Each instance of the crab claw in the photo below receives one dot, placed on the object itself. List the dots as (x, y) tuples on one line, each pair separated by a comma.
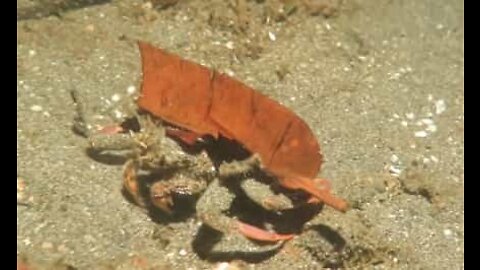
[(130, 182), (255, 233), (161, 197)]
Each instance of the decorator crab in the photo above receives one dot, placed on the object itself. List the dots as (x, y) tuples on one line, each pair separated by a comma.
[(160, 169)]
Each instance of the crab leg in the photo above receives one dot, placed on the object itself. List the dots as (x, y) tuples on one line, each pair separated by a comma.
[(255, 190), (218, 199), (309, 186), (255, 233), (82, 118), (188, 137), (261, 194)]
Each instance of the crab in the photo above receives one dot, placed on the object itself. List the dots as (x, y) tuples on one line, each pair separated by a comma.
[(159, 159)]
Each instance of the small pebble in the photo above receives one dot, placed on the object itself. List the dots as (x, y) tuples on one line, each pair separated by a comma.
[(362, 58), (272, 36), (115, 97), (118, 114), (222, 266), (431, 128), (36, 108), (131, 89), (90, 28), (147, 5), (47, 245), (229, 45), (410, 116), (427, 121), (440, 106), (27, 241), (394, 158), (88, 238), (394, 170), (447, 232), (395, 76), (227, 266), (182, 252), (20, 184), (62, 248), (230, 72), (421, 134), (32, 52)]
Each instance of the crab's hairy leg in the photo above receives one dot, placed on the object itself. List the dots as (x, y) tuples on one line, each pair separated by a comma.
[(153, 126), (211, 207), (239, 168), (82, 119), (111, 142), (309, 186), (186, 136), (258, 192), (213, 202), (116, 110), (263, 195)]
